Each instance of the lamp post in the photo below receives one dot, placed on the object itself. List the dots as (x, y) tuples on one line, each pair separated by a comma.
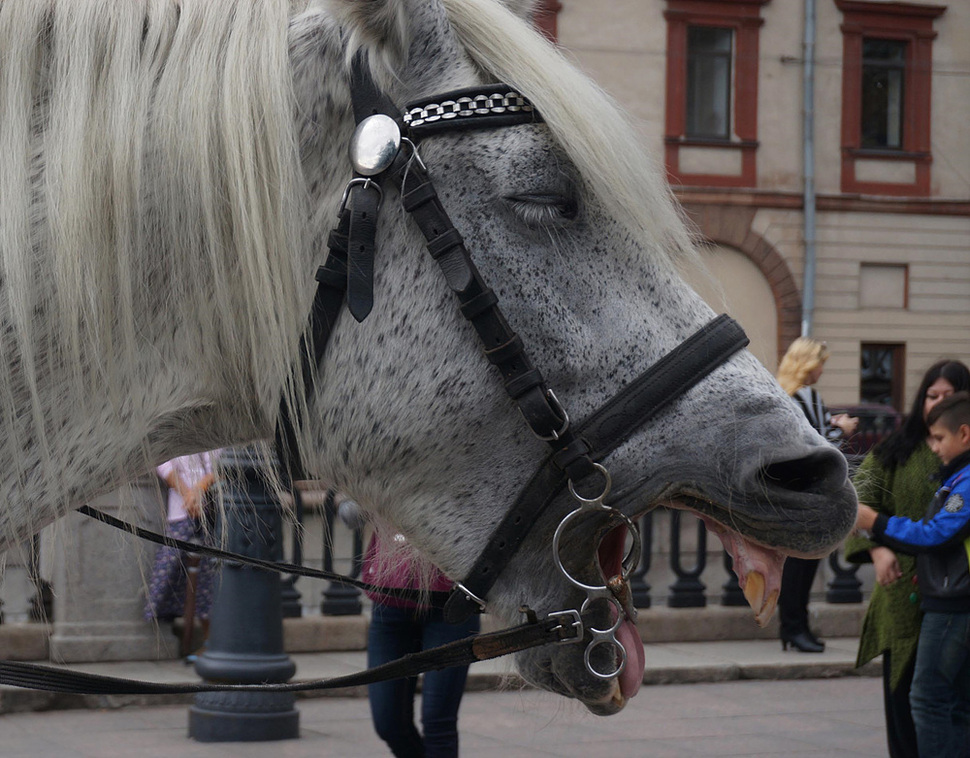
[(245, 644)]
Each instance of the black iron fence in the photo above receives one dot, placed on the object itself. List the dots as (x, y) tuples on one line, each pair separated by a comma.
[(679, 566)]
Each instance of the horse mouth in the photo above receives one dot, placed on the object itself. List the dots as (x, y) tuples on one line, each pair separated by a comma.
[(757, 565), (603, 675), (758, 568), (765, 515)]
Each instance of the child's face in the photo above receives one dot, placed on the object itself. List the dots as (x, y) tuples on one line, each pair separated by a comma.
[(948, 444)]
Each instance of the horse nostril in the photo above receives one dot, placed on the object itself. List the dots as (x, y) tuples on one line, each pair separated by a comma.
[(816, 473)]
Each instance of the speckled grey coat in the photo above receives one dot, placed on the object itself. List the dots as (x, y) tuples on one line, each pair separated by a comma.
[(568, 220)]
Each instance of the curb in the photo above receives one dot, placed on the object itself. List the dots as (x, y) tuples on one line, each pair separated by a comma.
[(657, 624), (689, 646)]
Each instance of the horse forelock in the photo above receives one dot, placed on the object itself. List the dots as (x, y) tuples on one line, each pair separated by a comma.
[(595, 132)]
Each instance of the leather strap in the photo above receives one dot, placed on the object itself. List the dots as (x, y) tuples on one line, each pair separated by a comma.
[(669, 378), (605, 430), (367, 99), (444, 242), (463, 652), (478, 303), (486, 106), (363, 202), (328, 301), (428, 599)]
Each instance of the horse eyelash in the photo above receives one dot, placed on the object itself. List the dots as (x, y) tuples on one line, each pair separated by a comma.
[(544, 210)]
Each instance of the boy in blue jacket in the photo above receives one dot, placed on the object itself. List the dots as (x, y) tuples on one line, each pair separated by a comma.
[(940, 694)]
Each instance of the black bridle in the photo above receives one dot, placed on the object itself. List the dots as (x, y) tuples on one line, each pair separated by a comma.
[(575, 450)]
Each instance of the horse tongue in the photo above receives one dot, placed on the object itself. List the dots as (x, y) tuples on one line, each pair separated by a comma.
[(611, 556), (632, 675)]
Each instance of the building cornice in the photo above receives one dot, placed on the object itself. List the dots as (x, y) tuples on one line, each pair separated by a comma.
[(823, 202)]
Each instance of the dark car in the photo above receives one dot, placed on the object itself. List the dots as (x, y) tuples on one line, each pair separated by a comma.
[(876, 422)]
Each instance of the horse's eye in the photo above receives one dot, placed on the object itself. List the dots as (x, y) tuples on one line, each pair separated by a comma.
[(541, 209)]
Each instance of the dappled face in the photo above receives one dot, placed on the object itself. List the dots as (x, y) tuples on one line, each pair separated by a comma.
[(435, 447), (937, 391)]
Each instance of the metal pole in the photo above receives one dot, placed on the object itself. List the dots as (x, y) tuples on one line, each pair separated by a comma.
[(292, 599), (638, 582), (808, 145), (338, 598), (246, 634), (688, 590)]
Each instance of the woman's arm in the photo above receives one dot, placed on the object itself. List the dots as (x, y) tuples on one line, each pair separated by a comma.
[(873, 487)]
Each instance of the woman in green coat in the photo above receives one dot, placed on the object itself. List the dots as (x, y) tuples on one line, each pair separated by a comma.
[(897, 478)]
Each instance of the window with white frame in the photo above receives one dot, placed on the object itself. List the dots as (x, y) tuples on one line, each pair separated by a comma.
[(709, 50), (883, 82)]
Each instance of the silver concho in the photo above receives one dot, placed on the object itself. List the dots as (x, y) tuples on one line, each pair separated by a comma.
[(375, 144)]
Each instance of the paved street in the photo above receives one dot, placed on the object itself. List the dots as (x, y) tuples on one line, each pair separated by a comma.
[(807, 718)]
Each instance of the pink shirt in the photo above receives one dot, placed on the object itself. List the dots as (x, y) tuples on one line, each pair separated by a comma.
[(401, 574)]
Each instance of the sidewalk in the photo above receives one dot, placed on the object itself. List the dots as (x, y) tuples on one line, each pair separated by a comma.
[(748, 699), (666, 663)]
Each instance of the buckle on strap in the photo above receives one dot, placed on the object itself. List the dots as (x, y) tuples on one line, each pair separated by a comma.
[(570, 626), (469, 595), (558, 410)]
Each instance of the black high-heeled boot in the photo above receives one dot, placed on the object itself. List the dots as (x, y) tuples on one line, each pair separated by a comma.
[(815, 638), (802, 643)]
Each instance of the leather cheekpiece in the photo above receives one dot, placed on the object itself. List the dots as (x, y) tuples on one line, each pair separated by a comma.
[(364, 201)]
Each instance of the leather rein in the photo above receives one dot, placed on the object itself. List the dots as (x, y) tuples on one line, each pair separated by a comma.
[(384, 153)]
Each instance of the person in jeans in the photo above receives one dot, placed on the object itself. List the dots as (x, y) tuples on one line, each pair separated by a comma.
[(940, 694), (399, 627), (898, 478)]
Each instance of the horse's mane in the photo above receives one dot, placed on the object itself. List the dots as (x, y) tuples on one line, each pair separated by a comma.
[(149, 179), (150, 182), (597, 135)]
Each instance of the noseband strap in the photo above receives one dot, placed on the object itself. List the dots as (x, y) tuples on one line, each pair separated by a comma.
[(574, 451), (605, 430)]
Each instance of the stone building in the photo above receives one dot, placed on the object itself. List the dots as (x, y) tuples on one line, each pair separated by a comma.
[(869, 185)]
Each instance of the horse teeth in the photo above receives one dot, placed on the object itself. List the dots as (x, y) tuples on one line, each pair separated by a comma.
[(754, 592), (767, 610), (616, 696)]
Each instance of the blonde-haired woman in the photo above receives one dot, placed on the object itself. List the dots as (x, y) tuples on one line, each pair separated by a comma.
[(801, 368)]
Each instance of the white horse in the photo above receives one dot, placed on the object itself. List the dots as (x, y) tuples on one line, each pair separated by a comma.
[(169, 170)]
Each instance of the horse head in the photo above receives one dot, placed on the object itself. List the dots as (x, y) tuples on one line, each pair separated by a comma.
[(160, 222), (572, 227)]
